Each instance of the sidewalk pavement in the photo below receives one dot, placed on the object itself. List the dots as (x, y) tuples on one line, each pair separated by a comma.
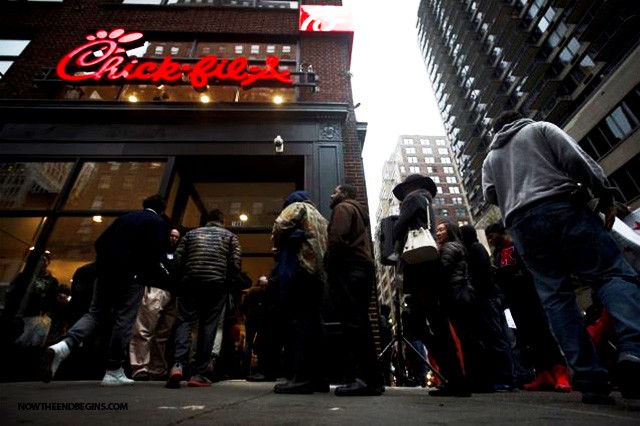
[(243, 403)]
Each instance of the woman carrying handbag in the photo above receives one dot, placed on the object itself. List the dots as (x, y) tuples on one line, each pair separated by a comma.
[(423, 281)]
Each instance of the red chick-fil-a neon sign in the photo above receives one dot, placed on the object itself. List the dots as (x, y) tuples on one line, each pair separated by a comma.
[(81, 64)]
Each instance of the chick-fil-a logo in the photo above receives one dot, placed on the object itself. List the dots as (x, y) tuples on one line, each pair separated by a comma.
[(325, 19), (83, 64)]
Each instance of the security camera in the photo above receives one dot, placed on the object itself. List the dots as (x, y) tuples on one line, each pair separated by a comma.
[(278, 143)]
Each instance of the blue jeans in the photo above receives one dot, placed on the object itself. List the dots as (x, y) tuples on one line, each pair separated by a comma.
[(116, 295), (557, 239)]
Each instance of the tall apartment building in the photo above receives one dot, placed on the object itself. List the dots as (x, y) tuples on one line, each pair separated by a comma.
[(430, 156), (573, 63)]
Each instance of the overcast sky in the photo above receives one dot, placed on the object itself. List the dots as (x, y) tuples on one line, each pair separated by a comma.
[(390, 82)]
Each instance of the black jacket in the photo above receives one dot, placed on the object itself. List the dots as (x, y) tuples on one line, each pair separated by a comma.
[(413, 214), (137, 242)]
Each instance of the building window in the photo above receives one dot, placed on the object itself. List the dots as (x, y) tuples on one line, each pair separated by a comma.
[(10, 50), (427, 151), (445, 160), (238, 49), (454, 190), (440, 191), (98, 185), (570, 51), (408, 141), (621, 122), (414, 169), (436, 179), (448, 170), (440, 142), (616, 126), (451, 179), (410, 150), (443, 151), (444, 212), (424, 142), (255, 49), (31, 185), (412, 160), (429, 160), (456, 200), (403, 169), (626, 179), (429, 169), (461, 212)]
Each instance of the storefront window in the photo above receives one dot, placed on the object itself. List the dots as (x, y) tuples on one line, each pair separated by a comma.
[(115, 185), (71, 244), (31, 186), (17, 235), (255, 205)]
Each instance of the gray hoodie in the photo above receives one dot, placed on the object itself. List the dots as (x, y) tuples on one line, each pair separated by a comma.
[(531, 161)]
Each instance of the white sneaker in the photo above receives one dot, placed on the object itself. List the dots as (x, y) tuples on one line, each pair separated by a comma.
[(51, 360), (116, 378)]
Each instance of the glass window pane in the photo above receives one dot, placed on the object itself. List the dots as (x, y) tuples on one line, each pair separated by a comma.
[(106, 185), (619, 123), (4, 66), (235, 199), (12, 47), (31, 185), (72, 244), (17, 235)]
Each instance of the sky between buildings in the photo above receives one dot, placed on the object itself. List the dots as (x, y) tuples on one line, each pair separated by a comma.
[(390, 82)]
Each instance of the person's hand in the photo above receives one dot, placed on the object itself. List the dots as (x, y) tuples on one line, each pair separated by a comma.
[(609, 217)]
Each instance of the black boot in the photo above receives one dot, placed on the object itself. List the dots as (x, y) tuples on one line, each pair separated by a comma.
[(358, 388), (294, 387)]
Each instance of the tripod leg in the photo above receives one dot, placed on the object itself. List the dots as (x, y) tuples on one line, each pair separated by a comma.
[(427, 363), (386, 348)]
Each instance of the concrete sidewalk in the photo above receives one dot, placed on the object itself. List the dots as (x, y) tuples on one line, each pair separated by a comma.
[(243, 403)]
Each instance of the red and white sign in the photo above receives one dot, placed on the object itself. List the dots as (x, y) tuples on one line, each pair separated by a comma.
[(113, 64), (334, 19)]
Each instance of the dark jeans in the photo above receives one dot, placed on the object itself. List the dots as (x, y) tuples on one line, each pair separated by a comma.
[(557, 239), (116, 292), (250, 331), (200, 303), (351, 286), (533, 335), (302, 301), (496, 361)]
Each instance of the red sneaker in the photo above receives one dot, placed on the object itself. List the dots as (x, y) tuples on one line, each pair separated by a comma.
[(198, 381), (562, 379), (175, 377), (543, 382)]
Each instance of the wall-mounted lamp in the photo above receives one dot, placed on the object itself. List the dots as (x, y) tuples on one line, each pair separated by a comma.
[(278, 143)]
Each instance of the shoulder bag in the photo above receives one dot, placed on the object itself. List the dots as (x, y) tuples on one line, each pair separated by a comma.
[(420, 245)]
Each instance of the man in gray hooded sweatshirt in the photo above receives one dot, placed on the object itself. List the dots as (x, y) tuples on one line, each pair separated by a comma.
[(534, 172)]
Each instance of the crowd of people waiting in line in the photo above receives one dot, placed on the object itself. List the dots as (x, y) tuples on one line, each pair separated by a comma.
[(556, 207)]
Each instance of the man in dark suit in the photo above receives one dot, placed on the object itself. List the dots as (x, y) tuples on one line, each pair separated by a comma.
[(133, 246)]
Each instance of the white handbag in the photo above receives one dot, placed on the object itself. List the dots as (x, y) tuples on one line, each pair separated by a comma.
[(420, 245)]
